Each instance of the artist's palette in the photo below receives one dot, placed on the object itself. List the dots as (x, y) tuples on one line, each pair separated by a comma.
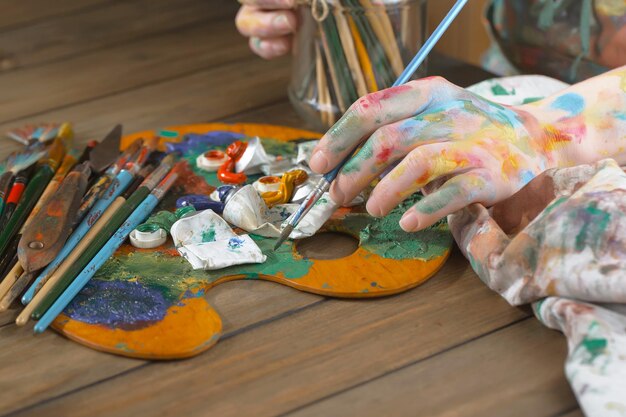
[(151, 304)]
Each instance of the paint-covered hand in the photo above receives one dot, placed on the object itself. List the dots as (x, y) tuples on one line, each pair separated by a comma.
[(460, 148), (269, 24), (475, 150)]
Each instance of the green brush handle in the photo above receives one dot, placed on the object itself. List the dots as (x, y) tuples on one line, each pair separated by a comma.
[(31, 195), (5, 182), (92, 250)]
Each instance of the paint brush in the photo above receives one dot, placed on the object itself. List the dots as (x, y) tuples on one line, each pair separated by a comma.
[(324, 184), (97, 236), (126, 182), (15, 163), (43, 174), (137, 217), (15, 195)]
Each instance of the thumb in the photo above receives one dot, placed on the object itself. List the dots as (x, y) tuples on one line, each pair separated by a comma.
[(480, 239)]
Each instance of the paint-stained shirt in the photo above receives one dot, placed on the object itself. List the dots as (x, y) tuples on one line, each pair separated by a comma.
[(566, 39)]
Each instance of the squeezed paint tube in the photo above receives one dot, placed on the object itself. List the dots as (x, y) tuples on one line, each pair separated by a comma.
[(208, 242), (247, 210)]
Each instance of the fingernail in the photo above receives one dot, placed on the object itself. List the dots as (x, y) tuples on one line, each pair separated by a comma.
[(281, 22), (319, 162), (337, 195), (409, 222)]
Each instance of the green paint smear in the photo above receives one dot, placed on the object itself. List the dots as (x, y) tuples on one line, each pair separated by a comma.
[(384, 237), (529, 100), (594, 228), (173, 275), (271, 146), (498, 90), (595, 347), (208, 235)]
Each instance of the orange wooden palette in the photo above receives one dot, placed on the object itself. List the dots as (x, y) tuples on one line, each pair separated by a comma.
[(150, 304)]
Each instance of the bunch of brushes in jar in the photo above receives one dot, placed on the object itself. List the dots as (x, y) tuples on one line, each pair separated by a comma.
[(349, 48)]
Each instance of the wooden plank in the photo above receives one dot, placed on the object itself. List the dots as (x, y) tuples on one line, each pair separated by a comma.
[(305, 356), (92, 29), (77, 80), (574, 413), (45, 366), (203, 96), (17, 13), (516, 371)]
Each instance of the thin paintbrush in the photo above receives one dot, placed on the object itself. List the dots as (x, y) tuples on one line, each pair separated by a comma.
[(324, 184), (15, 195), (139, 215), (15, 163)]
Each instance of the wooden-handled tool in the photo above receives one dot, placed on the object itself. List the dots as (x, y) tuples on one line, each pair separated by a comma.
[(51, 226)]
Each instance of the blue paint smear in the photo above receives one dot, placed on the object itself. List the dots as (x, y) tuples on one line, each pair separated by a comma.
[(572, 103), (118, 304), (526, 176)]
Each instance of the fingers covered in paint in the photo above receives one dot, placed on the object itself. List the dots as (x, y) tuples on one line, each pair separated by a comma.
[(373, 111), (252, 21), (456, 193)]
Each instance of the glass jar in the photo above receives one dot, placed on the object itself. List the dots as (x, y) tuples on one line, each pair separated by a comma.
[(345, 49)]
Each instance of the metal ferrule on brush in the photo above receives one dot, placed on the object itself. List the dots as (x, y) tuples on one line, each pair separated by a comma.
[(159, 173), (320, 188)]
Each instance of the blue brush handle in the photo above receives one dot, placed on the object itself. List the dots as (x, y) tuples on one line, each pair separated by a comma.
[(119, 184), (330, 176), (135, 219), (430, 43)]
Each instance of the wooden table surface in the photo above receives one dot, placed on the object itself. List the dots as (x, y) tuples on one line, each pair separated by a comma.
[(450, 347)]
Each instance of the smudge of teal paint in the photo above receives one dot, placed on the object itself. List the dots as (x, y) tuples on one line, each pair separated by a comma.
[(572, 103), (445, 195), (529, 100), (356, 162), (554, 205), (619, 115), (208, 235), (594, 347), (595, 223), (498, 90), (124, 347), (385, 238), (325, 285)]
